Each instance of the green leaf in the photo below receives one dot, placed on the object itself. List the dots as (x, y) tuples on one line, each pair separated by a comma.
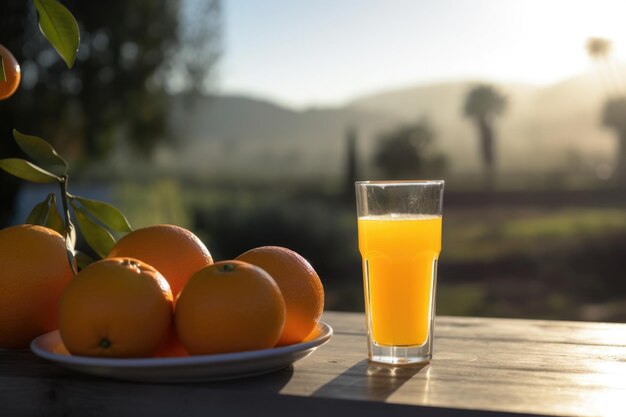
[(41, 151), (82, 259), (55, 221), (60, 29), (27, 170), (106, 214), (39, 213), (3, 76), (98, 238)]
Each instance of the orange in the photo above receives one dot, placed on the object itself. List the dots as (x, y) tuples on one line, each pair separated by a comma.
[(11, 72), (34, 270), (230, 306), (116, 307), (300, 285), (175, 252)]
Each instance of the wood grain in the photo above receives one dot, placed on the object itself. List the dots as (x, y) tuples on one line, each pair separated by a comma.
[(482, 366)]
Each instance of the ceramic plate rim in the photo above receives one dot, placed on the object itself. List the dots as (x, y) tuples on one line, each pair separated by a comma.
[(326, 333)]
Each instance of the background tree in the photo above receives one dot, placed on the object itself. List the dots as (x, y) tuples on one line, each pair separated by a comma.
[(201, 37), (599, 50), (404, 153), (483, 104), (13, 13), (351, 163), (614, 117), (129, 59), (614, 110)]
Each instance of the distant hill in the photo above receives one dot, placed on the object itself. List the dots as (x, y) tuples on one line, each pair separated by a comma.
[(230, 135), (545, 129)]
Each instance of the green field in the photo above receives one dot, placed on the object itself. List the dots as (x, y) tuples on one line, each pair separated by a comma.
[(560, 263)]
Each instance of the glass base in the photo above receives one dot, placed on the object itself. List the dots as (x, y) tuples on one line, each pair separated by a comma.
[(400, 355)]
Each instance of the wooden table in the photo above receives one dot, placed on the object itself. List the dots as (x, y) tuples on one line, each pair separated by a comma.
[(482, 366)]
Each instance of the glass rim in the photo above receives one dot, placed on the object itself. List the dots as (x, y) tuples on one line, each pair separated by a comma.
[(400, 182)]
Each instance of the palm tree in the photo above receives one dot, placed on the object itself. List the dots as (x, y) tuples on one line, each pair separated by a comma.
[(482, 104), (614, 117), (599, 50), (614, 112)]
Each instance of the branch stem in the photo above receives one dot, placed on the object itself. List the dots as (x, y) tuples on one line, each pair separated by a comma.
[(69, 227)]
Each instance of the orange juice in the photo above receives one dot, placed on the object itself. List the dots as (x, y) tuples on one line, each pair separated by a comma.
[(400, 253)]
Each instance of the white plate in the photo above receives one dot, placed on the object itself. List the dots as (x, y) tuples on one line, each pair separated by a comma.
[(182, 369)]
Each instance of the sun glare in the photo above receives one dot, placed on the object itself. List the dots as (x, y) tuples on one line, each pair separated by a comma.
[(603, 401), (549, 40), (394, 44), (604, 379)]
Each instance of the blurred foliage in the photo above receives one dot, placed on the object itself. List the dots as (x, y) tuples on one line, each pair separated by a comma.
[(160, 202), (200, 41), (538, 263), (461, 299), (131, 55), (498, 233), (406, 153)]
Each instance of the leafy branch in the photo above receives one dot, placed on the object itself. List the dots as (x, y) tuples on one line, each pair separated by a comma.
[(96, 219)]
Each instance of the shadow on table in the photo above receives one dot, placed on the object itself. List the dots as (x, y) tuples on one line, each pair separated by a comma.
[(365, 380), (273, 382)]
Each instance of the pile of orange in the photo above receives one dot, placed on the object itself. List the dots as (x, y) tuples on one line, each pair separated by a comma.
[(158, 293)]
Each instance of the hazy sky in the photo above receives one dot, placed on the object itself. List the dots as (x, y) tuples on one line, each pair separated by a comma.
[(326, 52)]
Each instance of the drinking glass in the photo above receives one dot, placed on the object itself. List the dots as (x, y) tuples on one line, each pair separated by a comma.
[(399, 227)]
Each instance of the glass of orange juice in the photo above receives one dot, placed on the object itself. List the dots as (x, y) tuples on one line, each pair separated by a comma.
[(399, 225)]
